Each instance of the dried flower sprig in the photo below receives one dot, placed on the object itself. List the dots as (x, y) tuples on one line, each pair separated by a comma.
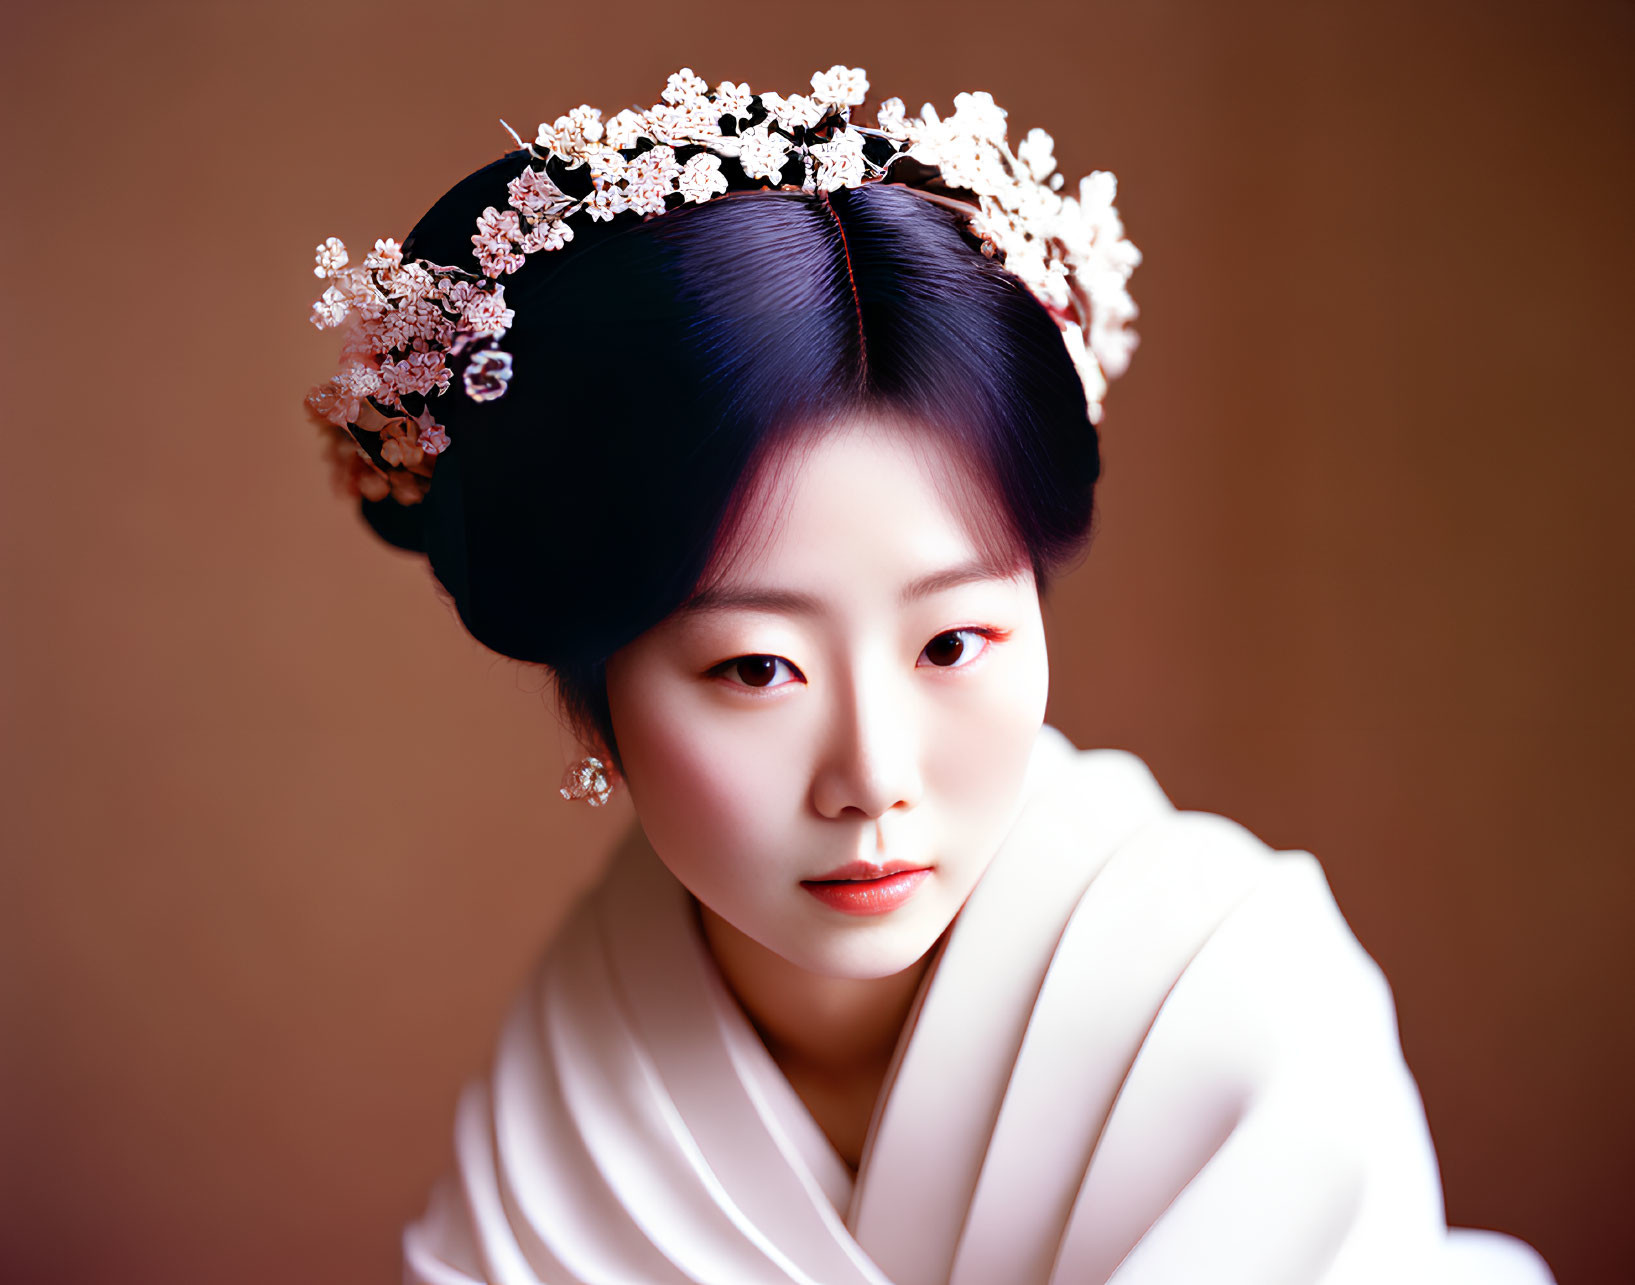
[(408, 325)]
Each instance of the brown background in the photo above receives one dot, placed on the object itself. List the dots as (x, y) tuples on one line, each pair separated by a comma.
[(280, 839)]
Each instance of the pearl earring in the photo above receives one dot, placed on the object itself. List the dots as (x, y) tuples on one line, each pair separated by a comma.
[(587, 779)]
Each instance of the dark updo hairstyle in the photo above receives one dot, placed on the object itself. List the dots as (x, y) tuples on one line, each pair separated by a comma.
[(659, 362)]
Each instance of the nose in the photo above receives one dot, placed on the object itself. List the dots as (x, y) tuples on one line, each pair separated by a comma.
[(870, 762)]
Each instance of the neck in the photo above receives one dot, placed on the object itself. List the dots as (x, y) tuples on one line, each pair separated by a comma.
[(842, 1028)]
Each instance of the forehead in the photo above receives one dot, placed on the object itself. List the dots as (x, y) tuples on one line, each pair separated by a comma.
[(866, 499)]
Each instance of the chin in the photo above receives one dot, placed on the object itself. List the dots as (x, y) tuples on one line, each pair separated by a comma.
[(868, 950)]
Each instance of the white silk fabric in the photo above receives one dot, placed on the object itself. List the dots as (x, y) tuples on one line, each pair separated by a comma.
[(1150, 1051)]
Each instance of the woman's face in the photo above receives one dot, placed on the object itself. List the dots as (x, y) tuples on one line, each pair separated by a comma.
[(858, 684)]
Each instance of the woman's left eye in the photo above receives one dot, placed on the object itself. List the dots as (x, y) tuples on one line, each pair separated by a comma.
[(955, 648)]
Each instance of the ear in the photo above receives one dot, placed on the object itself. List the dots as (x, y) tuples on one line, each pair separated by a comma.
[(579, 735), (592, 744)]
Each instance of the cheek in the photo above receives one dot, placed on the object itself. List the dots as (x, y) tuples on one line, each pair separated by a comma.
[(709, 790), (985, 737)]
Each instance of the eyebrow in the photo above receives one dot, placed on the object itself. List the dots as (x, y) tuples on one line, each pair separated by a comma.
[(794, 603)]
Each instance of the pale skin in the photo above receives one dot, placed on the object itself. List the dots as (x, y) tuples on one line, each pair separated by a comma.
[(860, 678)]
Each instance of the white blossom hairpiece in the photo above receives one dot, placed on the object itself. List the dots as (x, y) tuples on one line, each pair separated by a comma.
[(404, 321)]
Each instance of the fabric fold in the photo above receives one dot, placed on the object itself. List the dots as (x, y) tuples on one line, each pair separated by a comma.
[(920, 1170), (1130, 935)]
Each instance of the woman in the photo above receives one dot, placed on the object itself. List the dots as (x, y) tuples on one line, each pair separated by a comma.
[(775, 428)]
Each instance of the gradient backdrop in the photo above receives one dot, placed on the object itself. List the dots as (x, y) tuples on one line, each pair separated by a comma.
[(280, 840)]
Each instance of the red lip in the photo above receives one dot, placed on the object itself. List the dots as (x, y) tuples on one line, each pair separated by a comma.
[(865, 870), (869, 896)]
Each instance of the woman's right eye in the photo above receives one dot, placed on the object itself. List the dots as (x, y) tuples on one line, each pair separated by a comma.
[(758, 671)]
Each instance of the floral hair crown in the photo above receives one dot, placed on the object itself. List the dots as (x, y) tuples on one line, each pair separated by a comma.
[(409, 324)]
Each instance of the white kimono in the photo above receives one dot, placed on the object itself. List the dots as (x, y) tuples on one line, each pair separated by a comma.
[(1150, 1051)]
